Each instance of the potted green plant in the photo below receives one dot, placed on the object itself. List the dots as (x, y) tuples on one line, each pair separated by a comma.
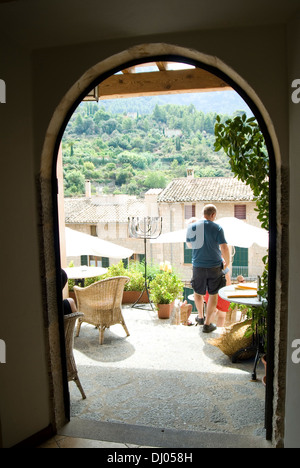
[(164, 289), (134, 287)]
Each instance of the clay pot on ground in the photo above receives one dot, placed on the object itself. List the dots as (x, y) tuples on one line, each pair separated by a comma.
[(130, 297), (164, 311)]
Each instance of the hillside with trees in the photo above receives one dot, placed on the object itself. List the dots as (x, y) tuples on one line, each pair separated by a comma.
[(132, 149)]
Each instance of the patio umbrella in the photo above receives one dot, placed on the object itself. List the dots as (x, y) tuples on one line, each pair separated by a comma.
[(170, 237), (241, 234), (78, 243), (237, 233)]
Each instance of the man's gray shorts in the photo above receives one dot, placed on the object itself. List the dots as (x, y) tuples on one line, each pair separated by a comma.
[(209, 280)]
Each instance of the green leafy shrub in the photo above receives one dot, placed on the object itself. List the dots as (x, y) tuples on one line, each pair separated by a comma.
[(136, 282), (165, 288), (152, 269)]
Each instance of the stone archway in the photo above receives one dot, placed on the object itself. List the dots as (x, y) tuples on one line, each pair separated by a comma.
[(48, 201)]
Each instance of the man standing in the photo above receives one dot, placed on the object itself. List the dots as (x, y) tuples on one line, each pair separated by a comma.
[(210, 256)]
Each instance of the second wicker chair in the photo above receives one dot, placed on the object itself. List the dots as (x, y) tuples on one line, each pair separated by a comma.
[(69, 323)]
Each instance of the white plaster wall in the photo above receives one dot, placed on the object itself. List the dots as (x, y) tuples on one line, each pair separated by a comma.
[(24, 386)]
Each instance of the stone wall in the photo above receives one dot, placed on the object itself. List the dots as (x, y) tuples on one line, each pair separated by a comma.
[(173, 220)]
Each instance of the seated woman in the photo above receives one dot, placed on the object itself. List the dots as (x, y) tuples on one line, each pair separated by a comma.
[(69, 305)]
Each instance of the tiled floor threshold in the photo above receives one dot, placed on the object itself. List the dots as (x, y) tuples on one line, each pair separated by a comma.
[(142, 436)]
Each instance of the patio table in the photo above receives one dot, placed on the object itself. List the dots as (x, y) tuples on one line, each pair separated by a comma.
[(79, 274), (251, 302)]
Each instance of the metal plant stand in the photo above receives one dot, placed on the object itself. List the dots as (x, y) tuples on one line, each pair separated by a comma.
[(144, 228)]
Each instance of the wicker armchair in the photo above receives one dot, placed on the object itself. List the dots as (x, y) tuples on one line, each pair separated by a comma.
[(101, 304), (69, 321)]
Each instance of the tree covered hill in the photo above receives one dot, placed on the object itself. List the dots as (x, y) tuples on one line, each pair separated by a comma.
[(131, 145)]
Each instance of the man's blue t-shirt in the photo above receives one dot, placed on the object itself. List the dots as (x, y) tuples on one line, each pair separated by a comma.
[(205, 237)]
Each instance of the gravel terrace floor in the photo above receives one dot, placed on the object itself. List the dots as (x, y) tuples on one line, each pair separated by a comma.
[(165, 375)]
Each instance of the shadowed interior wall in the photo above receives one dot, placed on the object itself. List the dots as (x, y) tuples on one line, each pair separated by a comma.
[(24, 384), (292, 419)]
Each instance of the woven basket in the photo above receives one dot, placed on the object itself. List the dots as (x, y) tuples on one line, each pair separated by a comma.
[(233, 339), (185, 312)]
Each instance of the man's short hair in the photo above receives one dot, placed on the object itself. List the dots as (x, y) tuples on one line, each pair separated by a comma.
[(209, 210)]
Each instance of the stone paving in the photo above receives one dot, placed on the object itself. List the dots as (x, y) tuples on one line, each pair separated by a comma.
[(167, 376)]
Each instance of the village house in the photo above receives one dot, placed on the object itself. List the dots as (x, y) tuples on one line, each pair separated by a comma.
[(185, 197), (107, 217)]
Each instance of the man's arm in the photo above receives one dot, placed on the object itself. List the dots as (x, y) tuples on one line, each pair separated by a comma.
[(225, 253)]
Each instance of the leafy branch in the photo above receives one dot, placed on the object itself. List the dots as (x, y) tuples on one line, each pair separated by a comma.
[(242, 141)]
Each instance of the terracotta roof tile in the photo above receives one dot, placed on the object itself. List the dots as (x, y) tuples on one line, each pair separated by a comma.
[(206, 189), (87, 210)]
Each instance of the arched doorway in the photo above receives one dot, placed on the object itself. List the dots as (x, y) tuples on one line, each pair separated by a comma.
[(142, 54)]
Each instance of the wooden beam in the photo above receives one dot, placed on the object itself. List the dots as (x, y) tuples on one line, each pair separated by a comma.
[(162, 66), (162, 82), (128, 70)]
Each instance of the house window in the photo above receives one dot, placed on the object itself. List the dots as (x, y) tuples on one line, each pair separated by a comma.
[(105, 262), (187, 254), (189, 211), (84, 260), (95, 261), (240, 211), (94, 231), (240, 262), (134, 258)]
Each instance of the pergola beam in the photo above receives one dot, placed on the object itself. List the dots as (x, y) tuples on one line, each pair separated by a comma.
[(160, 82)]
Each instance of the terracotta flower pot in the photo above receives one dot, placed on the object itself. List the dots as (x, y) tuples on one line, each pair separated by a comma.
[(164, 310), (130, 297)]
